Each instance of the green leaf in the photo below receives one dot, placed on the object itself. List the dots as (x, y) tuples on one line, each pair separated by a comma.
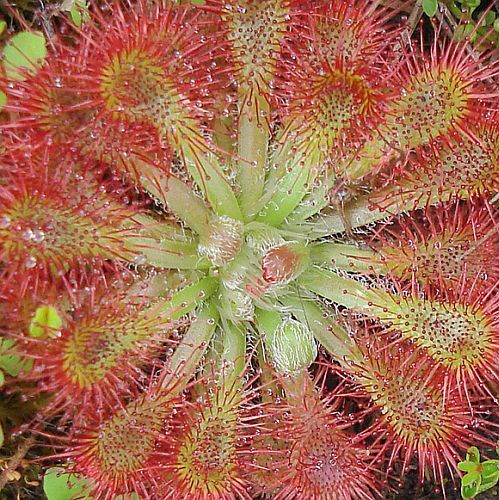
[(490, 468), (25, 52), (3, 26), (473, 455), (486, 485), (496, 24), (471, 4), (46, 320), (79, 12), (471, 477), (2, 379), (470, 491), (3, 100), (59, 485), (489, 18), (467, 466), (187, 298), (465, 30), (11, 362), (430, 7)]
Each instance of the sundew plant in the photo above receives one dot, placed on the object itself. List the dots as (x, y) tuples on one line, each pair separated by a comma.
[(248, 250)]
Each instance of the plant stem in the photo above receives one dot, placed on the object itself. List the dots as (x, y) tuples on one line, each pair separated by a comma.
[(15, 461), (253, 142), (162, 228), (298, 387), (233, 355), (208, 175), (188, 354), (168, 254), (185, 300), (177, 196), (343, 291), (359, 212), (268, 321), (267, 377), (347, 257), (291, 190), (313, 202)]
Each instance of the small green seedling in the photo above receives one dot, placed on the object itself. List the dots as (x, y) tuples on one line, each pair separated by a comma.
[(10, 361), (24, 53), (480, 476), (430, 7), (46, 321), (58, 484)]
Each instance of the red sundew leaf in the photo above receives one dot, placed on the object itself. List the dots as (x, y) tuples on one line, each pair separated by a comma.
[(110, 336), (421, 417), (115, 451), (256, 30), (326, 458), (50, 108), (460, 167), (151, 67), (356, 35), (439, 94), (334, 87), (435, 96), (459, 332), (54, 219), (441, 247), (209, 449)]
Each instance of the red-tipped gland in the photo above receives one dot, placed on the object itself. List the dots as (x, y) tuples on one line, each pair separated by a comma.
[(284, 263)]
